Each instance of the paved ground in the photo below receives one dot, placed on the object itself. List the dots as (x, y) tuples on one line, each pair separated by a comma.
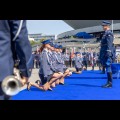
[(35, 75)]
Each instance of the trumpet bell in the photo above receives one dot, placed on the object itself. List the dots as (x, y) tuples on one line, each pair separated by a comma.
[(11, 86)]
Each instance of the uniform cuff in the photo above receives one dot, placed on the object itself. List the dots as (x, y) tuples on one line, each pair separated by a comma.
[(108, 50)]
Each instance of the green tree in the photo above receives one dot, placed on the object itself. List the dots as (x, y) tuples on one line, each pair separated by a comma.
[(37, 42), (41, 40), (32, 43)]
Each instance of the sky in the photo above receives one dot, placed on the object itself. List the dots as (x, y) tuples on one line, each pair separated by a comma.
[(47, 27)]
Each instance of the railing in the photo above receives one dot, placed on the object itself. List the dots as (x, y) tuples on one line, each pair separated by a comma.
[(73, 39)]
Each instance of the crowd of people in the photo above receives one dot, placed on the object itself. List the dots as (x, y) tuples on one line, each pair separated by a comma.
[(59, 59), (52, 69), (84, 59), (89, 58), (51, 61)]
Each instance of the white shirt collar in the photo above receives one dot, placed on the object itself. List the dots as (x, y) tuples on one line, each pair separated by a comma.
[(46, 49)]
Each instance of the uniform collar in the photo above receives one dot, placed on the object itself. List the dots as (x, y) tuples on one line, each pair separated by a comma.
[(45, 49)]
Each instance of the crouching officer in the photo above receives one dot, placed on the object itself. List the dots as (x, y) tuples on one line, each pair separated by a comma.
[(106, 54), (78, 62), (13, 43)]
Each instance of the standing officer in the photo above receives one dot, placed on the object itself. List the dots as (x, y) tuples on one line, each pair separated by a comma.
[(101, 60), (94, 59), (13, 43), (85, 59), (106, 51), (98, 61)]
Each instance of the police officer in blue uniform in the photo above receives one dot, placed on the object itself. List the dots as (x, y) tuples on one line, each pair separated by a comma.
[(37, 59), (106, 51), (78, 62), (85, 59), (62, 65), (63, 58), (47, 70), (98, 61), (13, 43), (94, 60)]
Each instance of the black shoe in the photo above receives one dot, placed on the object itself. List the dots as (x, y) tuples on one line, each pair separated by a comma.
[(108, 85), (28, 86), (61, 83), (50, 89), (38, 82)]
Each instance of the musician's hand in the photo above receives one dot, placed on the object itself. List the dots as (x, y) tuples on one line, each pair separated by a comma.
[(24, 80)]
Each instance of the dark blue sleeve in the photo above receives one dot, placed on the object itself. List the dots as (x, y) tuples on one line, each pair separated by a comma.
[(109, 41), (23, 48)]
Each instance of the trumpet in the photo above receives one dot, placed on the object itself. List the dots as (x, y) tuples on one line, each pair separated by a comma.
[(11, 85)]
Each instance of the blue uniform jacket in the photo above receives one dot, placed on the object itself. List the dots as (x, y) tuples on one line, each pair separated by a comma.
[(107, 43), (63, 58), (13, 42), (114, 53), (46, 64), (84, 56), (58, 63), (51, 61), (55, 61), (106, 46), (78, 62)]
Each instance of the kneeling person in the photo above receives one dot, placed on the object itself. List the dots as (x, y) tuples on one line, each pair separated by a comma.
[(48, 71), (78, 62)]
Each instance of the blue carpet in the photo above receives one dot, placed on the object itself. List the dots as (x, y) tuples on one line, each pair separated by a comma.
[(90, 75), (76, 89)]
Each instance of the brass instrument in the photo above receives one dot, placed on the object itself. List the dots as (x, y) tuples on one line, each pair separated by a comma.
[(11, 85)]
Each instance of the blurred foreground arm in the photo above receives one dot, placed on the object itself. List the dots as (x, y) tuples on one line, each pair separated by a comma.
[(19, 37)]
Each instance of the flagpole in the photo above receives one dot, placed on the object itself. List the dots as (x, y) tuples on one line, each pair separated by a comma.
[(112, 26)]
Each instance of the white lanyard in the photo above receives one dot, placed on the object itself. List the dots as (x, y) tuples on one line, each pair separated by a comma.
[(19, 29)]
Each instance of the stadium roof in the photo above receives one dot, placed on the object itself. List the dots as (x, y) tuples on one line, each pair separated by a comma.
[(78, 24)]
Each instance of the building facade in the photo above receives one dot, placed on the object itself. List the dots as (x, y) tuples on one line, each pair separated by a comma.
[(92, 27), (41, 36)]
